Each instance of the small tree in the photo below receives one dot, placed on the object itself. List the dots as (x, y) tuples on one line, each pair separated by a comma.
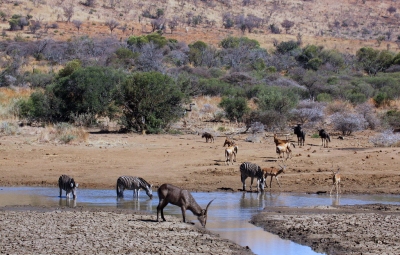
[(173, 23), (391, 10), (68, 12), (77, 24), (287, 25), (34, 26), (112, 24)]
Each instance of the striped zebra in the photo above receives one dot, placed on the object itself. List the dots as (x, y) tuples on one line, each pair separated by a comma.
[(68, 184), (252, 170), (133, 183)]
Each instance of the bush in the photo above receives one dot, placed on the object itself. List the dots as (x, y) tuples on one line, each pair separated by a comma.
[(347, 123), (235, 108), (392, 117), (386, 139), (151, 101), (88, 90)]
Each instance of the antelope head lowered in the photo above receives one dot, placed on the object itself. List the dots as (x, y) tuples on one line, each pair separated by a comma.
[(168, 193)]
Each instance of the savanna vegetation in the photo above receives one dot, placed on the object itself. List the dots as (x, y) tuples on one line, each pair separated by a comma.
[(144, 82)]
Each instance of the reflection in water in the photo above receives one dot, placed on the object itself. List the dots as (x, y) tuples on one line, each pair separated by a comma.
[(67, 202), (228, 215), (335, 200), (135, 204)]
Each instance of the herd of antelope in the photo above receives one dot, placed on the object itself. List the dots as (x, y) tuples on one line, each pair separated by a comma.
[(282, 146)]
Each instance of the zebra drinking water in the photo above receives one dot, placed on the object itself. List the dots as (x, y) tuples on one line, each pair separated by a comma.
[(68, 184), (252, 170), (133, 183)]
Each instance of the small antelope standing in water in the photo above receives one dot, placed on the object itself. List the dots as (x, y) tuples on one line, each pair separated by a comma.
[(168, 193), (336, 181)]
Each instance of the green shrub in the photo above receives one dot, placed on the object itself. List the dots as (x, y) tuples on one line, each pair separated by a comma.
[(235, 108)]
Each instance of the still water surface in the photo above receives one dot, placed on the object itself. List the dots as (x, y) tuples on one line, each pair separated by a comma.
[(228, 215)]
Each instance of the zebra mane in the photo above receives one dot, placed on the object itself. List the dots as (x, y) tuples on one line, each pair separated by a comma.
[(144, 182)]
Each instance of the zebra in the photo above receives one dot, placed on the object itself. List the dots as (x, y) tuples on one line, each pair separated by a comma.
[(133, 183), (252, 170), (68, 184)]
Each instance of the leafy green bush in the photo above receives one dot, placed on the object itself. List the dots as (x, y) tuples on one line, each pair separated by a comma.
[(235, 108), (151, 101), (88, 90)]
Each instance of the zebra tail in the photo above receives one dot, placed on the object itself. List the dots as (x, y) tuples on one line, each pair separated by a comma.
[(118, 192)]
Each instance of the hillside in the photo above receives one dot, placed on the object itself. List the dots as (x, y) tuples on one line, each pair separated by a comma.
[(343, 25)]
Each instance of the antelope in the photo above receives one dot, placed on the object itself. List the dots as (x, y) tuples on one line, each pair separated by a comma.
[(208, 136), (230, 154), (169, 193), (283, 146), (336, 181), (273, 172), (301, 135), (325, 137), (229, 142)]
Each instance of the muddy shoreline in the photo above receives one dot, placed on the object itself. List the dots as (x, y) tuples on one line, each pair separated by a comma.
[(52, 230), (356, 229)]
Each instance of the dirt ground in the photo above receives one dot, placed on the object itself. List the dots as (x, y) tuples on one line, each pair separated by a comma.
[(27, 230), (189, 162), (359, 229)]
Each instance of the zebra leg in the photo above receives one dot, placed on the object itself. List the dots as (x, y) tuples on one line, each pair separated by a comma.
[(243, 178), (60, 192), (251, 183)]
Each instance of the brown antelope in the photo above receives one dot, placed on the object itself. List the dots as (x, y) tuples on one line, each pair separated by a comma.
[(168, 193), (208, 136), (230, 154), (273, 172), (229, 142), (336, 181), (283, 146)]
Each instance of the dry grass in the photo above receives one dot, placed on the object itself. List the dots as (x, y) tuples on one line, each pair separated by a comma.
[(63, 133), (313, 19)]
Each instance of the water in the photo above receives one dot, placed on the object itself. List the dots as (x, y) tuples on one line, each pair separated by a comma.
[(228, 215)]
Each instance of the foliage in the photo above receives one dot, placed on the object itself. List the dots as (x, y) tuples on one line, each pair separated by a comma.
[(88, 90), (277, 99), (374, 61), (235, 42), (386, 139), (285, 47), (140, 41), (235, 108), (347, 123), (151, 101), (70, 67), (392, 117)]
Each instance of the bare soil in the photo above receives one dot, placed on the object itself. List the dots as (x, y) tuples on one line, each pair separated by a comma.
[(189, 162)]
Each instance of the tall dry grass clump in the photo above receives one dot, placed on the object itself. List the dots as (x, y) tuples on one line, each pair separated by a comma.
[(9, 98), (63, 133)]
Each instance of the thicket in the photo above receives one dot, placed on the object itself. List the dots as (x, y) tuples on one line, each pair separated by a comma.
[(119, 79)]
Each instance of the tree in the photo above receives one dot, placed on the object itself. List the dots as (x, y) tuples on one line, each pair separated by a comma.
[(112, 24), (173, 23), (391, 10), (374, 61), (151, 101), (34, 26), (77, 24), (68, 12), (287, 25)]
